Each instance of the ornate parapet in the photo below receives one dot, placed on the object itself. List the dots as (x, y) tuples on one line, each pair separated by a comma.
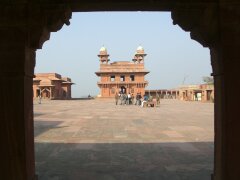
[(34, 21)]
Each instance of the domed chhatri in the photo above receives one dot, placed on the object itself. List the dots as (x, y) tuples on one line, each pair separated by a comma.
[(103, 55), (139, 55)]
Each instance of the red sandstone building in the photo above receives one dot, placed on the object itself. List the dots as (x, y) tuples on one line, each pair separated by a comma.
[(52, 86), (202, 92), (164, 93), (124, 76)]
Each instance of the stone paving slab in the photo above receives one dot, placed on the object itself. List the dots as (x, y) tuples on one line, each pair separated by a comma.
[(97, 140)]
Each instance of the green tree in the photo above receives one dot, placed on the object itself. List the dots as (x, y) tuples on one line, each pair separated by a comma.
[(208, 80)]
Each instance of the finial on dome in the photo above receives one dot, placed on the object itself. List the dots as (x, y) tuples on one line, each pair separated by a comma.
[(103, 48), (140, 50), (140, 47), (139, 55)]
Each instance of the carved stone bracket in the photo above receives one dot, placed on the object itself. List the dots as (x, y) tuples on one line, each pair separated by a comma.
[(46, 19), (203, 23), (34, 21), (200, 20)]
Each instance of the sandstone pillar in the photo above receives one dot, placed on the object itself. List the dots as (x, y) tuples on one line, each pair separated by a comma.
[(217, 26), (219, 106), (227, 124), (16, 112)]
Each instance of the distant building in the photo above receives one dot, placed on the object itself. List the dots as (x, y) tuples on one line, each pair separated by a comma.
[(202, 92), (164, 93), (51, 86), (122, 76)]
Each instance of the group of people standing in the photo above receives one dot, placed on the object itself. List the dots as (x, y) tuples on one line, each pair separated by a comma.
[(127, 99)]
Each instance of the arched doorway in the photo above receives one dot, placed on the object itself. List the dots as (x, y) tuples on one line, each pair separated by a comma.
[(45, 93), (213, 23), (123, 90), (165, 92)]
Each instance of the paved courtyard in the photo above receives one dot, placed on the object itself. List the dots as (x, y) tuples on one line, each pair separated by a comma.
[(97, 140)]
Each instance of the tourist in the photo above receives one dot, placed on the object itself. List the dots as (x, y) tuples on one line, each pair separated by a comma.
[(125, 99), (137, 98), (121, 98), (145, 99), (132, 100), (39, 99), (129, 98), (150, 98), (158, 99), (116, 98)]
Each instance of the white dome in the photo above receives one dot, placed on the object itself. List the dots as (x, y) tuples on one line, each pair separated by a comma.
[(140, 48), (103, 48)]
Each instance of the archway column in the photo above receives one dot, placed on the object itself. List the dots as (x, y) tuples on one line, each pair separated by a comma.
[(208, 25), (16, 112), (219, 113), (227, 124), (23, 29)]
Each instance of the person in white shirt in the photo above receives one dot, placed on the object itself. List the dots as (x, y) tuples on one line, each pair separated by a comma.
[(129, 98)]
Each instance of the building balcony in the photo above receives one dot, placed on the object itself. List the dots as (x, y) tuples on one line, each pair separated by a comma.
[(122, 82)]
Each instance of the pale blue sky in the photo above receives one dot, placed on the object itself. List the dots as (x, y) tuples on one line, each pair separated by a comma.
[(73, 50)]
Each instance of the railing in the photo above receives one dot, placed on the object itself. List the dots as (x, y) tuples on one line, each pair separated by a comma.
[(123, 82)]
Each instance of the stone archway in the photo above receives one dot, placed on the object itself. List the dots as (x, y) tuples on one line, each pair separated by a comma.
[(123, 90), (25, 25)]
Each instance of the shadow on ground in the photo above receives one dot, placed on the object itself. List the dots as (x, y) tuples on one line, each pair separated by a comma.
[(43, 126), (88, 159), (124, 161)]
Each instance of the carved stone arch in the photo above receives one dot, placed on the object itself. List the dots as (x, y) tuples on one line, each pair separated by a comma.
[(201, 20), (202, 23), (26, 24), (44, 19)]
